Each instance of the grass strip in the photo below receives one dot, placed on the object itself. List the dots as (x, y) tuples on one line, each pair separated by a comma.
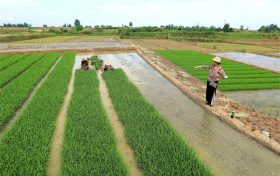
[(5, 63), (241, 76), (18, 68), (24, 149), (159, 149), (89, 144), (14, 94)]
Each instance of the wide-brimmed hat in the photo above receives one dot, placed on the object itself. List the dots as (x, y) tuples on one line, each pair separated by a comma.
[(108, 63), (217, 59)]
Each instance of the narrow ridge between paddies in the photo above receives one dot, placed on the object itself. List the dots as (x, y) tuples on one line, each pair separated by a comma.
[(18, 68), (89, 144), (4, 64), (25, 148), (240, 76), (158, 148), (14, 94)]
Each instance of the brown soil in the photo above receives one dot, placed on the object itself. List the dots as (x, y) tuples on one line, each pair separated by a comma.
[(54, 165), (125, 149), (17, 114), (158, 44), (247, 120)]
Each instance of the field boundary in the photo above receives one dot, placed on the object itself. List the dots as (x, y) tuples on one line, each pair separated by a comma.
[(54, 163), (19, 111), (124, 148), (237, 124)]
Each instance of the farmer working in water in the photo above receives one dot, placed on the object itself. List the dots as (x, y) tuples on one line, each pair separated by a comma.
[(216, 73)]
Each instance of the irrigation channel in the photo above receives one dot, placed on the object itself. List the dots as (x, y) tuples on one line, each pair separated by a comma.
[(224, 149)]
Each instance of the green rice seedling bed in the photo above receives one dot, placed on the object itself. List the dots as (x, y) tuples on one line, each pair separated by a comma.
[(240, 76), (11, 60), (25, 148), (159, 149), (18, 68), (14, 94), (89, 144)]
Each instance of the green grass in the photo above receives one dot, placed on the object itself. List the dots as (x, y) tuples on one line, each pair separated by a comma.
[(159, 149), (14, 94), (241, 76), (90, 147), (18, 68), (5, 63), (25, 148), (96, 62)]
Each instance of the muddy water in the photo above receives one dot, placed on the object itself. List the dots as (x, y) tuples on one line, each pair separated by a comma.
[(271, 63), (12, 47), (225, 150), (265, 101)]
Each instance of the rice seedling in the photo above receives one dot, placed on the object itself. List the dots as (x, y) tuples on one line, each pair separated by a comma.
[(14, 94), (89, 147), (12, 60), (18, 68), (241, 76), (25, 147), (159, 149)]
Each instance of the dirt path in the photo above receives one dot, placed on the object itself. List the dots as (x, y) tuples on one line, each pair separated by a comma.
[(17, 114), (124, 148), (54, 165)]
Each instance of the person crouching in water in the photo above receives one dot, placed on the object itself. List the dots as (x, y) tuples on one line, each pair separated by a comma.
[(216, 73)]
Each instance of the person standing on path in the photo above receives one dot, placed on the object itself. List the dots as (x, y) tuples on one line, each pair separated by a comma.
[(216, 73)]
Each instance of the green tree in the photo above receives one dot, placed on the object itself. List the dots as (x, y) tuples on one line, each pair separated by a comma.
[(77, 23), (130, 24)]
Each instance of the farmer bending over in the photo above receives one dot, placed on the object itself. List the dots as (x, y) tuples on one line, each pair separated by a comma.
[(107, 66), (216, 73)]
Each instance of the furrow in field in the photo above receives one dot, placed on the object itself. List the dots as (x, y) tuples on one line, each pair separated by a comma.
[(15, 93), (159, 149), (4, 64), (89, 144), (125, 149), (18, 68), (25, 148)]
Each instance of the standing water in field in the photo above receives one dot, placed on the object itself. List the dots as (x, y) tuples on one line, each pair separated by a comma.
[(224, 149), (266, 62), (264, 101)]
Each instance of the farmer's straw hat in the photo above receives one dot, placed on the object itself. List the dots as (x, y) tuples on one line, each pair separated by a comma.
[(108, 63), (217, 59)]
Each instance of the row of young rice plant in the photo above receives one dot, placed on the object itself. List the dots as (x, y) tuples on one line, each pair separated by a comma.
[(18, 68), (241, 76), (11, 60), (13, 94), (159, 149), (89, 144), (25, 148), (4, 56)]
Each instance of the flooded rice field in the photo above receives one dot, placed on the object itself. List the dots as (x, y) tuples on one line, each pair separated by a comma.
[(16, 47), (266, 62), (225, 150), (264, 101)]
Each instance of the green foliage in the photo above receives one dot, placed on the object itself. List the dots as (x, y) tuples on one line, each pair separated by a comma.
[(18, 68), (270, 28), (4, 64), (25, 148), (14, 94), (96, 62), (241, 76), (77, 23), (90, 147), (227, 28), (159, 149)]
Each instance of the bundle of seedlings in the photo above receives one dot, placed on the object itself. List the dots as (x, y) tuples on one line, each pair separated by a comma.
[(96, 62)]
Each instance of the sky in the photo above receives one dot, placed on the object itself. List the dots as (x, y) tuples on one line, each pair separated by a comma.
[(250, 13)]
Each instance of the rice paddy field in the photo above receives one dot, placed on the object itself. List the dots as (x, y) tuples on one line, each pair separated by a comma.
[(32, 94), (240, 76)]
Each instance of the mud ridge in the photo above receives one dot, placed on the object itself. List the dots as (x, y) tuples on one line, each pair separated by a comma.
[(123, 146), (54, 164), (247, 119)]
